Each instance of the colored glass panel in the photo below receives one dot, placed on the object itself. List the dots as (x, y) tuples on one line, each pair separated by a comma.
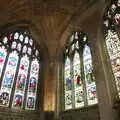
[(3, 54), (89, 77), (78, 84), (8, 79), (32, 86), (79, 81), (21, 82), (68, 85)]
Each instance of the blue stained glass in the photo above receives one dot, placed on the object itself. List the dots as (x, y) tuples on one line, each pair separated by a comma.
[(68, 83)]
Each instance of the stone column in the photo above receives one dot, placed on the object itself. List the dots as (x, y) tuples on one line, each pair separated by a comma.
[(51, 87), (103, 73)]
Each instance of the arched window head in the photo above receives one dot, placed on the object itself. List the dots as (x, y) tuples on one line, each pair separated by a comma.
[(19, 70), (79, 81), (112, 38)]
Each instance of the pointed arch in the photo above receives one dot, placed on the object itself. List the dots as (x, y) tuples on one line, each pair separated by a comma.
[(19, 69), (78, 50)]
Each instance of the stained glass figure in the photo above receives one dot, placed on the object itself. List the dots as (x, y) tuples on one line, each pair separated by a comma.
[(30, 103), (111, 21), (18, 101)]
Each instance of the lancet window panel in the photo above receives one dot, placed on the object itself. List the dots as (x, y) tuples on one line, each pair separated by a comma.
[(19, 70), (79, 80)]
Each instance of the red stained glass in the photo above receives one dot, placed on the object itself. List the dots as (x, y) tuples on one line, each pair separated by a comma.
[(22, 67)]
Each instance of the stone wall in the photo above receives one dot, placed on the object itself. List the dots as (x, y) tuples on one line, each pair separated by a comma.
[(9, 114), (90, 113)]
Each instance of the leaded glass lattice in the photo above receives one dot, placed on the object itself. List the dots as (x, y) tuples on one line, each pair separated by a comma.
[(79, 81), (19, 70)]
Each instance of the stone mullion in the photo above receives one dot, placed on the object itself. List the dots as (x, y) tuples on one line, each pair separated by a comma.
[(83, 79), (63, 89), (73, 87)]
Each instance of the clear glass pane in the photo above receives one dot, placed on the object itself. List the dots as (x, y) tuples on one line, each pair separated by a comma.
[(5, 40), (21, 37), (26, 40), (29, 51), (31, 42), (14, 44), (19, 46), (76, 35), (72, 38), (16, 35), (25, 49)]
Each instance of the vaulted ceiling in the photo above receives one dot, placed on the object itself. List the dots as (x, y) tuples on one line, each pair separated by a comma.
[(51, 17)]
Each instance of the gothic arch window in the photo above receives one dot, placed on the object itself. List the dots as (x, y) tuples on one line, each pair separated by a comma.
[(19, 70), (79, 81), (112, 38)]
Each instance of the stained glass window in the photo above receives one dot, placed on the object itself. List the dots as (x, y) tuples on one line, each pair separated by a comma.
[(19, 70), (112, 38), (79, 80)]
